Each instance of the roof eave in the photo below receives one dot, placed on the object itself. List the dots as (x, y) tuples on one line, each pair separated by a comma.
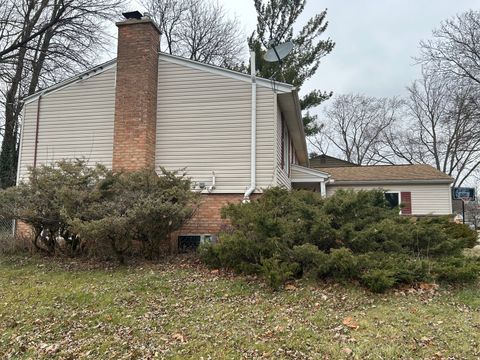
[(86, 74), (334, 182), (290, 106)]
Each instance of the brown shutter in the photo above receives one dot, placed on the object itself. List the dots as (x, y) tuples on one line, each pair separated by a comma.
[(406, 198)]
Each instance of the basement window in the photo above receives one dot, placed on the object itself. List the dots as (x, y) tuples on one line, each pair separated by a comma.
[(187, 243)]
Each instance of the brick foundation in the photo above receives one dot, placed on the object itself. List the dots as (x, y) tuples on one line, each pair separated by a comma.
[(207, 219), (23, 234)]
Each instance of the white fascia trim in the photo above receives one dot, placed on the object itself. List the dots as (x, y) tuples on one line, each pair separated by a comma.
[(282, 87), (309, 171), (379, 183), (73, 80), (307, 180)]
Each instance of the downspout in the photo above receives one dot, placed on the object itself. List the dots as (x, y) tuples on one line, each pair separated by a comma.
[(20, 145), (253, 131), (36, 133)]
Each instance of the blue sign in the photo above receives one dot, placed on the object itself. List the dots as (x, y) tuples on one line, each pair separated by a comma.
[(464, 193)]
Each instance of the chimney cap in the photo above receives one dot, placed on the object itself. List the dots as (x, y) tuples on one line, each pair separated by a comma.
[(132, 15)]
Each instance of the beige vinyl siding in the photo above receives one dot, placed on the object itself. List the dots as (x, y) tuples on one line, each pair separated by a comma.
[(75, 121), (203, 125), (282, 178), (297, 174), (434, 199)]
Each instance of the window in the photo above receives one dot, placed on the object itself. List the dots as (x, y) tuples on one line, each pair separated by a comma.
[(393, 198), (188, 243), (403, 199)]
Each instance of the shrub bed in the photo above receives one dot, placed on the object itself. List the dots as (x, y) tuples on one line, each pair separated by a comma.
[(350, 236), (75, 209)]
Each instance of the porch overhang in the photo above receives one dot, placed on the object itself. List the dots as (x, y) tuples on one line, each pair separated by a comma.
[(302, 174), (307, 178)]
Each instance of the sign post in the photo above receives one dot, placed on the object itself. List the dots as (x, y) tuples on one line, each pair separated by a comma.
[(465, 194)]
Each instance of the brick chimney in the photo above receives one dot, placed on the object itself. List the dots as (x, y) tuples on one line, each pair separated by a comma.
[(136, 93)]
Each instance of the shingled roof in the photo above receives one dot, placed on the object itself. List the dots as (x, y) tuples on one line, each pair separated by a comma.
[(387, 174)]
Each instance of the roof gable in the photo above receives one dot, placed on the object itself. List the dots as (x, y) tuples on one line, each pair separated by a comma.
[(279, 87), (267, 83)]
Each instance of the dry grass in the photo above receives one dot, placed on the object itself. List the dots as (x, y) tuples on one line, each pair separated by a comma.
[(180, 310)]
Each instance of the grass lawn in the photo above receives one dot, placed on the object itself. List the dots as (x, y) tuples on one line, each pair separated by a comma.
[(180, 310)]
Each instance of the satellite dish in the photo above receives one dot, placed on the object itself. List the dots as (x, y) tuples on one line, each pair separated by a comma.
[(278, 52)]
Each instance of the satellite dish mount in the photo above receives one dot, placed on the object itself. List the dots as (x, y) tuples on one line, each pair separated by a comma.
[(278, 52)]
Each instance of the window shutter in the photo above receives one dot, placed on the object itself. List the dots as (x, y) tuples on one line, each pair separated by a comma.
[(406, 198)]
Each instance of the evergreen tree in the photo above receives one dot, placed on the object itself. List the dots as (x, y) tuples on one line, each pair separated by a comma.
[(275, 22)]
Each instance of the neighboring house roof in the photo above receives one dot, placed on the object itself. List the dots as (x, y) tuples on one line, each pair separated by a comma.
[(386, 174), (323, 161)]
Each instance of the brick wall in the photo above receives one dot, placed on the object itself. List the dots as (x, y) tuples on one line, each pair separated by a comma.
[(207, 219), (136, 95)]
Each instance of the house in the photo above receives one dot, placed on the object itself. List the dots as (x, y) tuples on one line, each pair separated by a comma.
[(234, 134), (421, 189), (324, 160)]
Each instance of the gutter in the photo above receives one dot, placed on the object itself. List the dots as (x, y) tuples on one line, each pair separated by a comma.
[(253, 131), (298, 109), (334, 182)]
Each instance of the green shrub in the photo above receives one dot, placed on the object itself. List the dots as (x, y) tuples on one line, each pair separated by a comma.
[(48, 198), (348, 236), (378, 280), (311, 260), (209, 255), (342, 264), (457, 270), (109, 209), (283, 217), (404, 268), (360, 208), (277, 272)]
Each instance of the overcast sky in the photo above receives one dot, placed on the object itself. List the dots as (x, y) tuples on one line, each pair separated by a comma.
[(375, 40)]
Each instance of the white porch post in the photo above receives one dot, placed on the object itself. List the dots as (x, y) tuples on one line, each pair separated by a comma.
[(323, 189)]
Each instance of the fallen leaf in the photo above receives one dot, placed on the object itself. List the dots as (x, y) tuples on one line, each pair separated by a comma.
[(350, 323), (347, 351), (178, 337), (427, 286)]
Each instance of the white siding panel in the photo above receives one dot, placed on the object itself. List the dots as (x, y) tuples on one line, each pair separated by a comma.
[(76, 121), (434, 199), (203, 125)]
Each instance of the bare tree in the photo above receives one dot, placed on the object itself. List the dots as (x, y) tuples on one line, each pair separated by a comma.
[(355, 125), (199, 30), (442, 127), (455, 48), (53, 39)]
